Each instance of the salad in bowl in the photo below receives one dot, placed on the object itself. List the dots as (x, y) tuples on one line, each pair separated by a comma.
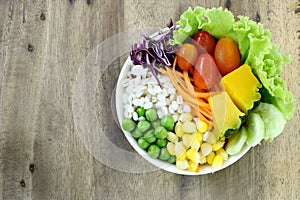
[(194, 97)]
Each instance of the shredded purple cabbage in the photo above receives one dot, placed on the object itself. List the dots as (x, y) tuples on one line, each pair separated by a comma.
[(155, 51)]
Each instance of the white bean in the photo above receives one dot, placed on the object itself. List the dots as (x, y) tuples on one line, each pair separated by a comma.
[(164, 110), (171, 110), (135, 116), (136, 70), (148, 105), (136, 102), (142, 89), (186, 108), (174, 104)]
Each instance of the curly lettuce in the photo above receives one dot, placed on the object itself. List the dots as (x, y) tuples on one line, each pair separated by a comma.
[(255, 46)]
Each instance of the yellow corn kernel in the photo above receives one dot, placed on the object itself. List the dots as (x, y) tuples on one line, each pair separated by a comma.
[(171, 148), (182, 164), (218, 162), (218, 145), (202, 158), (206, 149), (209, 137), (189, 127), (179, 148), (195, 144), (210, 158), (181, 156), (187, 140), (201, 126), (193, 166), (199, 136), (172, 137), (178, 129), (223, 153), (185, 117), (193, 155)]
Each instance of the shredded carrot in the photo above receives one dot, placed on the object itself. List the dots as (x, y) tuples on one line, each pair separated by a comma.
[(164, 72), (205, 95), (190, 87), (175, 62), (207, 115), (195, 97), (204, 119), (205, 110), (182, 91), (199, 90), (202, 103)]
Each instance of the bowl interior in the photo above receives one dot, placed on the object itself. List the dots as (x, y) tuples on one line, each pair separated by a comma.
[(158, 163)]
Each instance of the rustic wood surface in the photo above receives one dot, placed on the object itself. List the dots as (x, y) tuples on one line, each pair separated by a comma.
[(43, 44)]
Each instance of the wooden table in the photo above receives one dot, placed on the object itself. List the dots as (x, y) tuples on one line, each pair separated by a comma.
[(42, 47)]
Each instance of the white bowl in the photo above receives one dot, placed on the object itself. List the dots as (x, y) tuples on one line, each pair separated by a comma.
[(158, 163)]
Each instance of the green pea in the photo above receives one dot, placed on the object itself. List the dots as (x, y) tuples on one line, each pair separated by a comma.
[(136, 134), (143, 126), (149, 136), (168, 122), (143, 143), (151, 115), (160, 132), (172, 159), (156, 123), (128, 124), (164, 154), (140, 111), (161, 142), (153, 151)]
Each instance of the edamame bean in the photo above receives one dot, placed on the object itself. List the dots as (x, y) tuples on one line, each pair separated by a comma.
[(164, 154), (136, 134), (151, 115), (143, 143), (161, 142), (128, 124), (156, 123), (143, 126), (172, 159), (140, 111), (153, 151), (160, 132), (168, 122), (149, 136)]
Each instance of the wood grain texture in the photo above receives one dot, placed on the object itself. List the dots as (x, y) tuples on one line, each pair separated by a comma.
[(36, 119)]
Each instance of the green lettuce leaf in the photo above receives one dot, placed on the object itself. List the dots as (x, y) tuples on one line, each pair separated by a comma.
[(256, 48), (246, 30), (286, 108), (189, 25), (219, 23)]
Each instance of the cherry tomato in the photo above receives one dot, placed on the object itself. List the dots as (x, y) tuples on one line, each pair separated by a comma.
[(206, 41), (186, 56), (227, 55), (206, 73)]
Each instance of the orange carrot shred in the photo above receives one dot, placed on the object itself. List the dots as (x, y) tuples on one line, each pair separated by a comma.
[(195, 97), (189, 86)]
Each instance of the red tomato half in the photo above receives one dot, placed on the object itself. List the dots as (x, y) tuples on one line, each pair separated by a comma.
[(206, 73), (204, 40), (186, 56)]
